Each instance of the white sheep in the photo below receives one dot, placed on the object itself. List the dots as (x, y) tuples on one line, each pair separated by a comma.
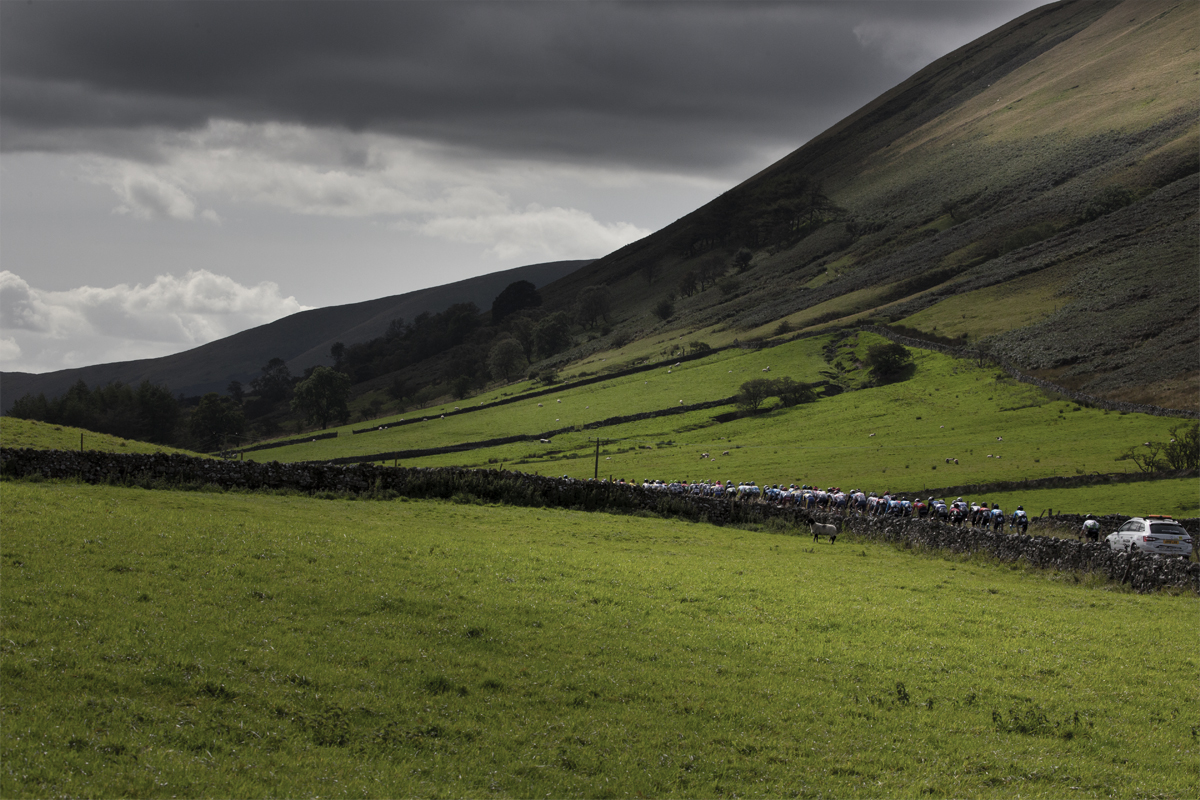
[(824, 529)]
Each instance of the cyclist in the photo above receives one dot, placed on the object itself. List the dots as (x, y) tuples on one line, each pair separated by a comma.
[(1091, 529), (1020, 520)]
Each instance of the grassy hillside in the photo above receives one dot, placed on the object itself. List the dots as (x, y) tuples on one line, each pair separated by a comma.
[(893, 437), (1036, 189), (41, 436), (181, 644)]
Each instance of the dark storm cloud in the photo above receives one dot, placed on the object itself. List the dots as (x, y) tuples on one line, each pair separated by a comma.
[(669, 84)]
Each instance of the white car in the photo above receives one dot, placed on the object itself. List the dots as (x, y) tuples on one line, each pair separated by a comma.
[(1152, 534)]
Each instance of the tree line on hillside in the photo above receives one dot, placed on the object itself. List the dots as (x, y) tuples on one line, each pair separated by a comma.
[(472, 352), (474, 347)]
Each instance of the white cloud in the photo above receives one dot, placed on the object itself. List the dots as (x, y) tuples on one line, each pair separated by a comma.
[(537, 233), (411, 185), (9, 349), (51, 330)]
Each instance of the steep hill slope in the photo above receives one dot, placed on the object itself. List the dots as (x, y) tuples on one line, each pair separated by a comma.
[(301, 339), (1054, 160)]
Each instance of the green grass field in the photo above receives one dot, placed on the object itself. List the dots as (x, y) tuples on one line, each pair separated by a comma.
[(181, 644), (888, 438), (45, 436)]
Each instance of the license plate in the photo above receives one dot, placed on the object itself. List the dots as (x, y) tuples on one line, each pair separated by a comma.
[(1170, 541)]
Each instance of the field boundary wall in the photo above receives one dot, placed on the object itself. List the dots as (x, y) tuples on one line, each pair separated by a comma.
[(173, 470)]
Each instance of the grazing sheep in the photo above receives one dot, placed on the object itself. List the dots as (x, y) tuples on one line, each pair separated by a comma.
[(539, 405), (725, 453), (823, 529), (544, 441)]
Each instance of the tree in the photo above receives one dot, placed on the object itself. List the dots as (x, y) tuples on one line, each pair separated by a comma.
[(753, 393), (275, 382), (553, 334), (515, 297), (710, 272), (322, 396), (687, 284), (888, 361), (664, 309), (158, 411), (507, 359), (337, 352), (1183, 451), (215, 421), (792, 393), (523, 328), (1146, 456), (593, 304), (460, 387), (398, 388), (741, 260), (236, 392)]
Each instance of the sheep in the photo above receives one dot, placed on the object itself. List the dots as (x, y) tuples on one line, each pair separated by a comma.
[(725, 453), (823, 529), (539, 405), (544, 441)]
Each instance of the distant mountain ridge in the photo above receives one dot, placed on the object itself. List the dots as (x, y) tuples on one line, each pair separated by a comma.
[(302, 339)]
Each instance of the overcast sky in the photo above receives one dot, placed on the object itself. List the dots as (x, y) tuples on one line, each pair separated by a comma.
[(174, 172)]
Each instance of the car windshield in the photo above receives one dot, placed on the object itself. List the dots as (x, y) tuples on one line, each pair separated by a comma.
[(1167, 528)]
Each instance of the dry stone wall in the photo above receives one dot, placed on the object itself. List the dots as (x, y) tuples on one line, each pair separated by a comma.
[(167, 470)]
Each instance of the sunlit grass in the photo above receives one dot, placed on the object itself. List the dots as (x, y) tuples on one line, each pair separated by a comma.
[(16, 432), (165, 643), (896, 437), (994, 309)]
